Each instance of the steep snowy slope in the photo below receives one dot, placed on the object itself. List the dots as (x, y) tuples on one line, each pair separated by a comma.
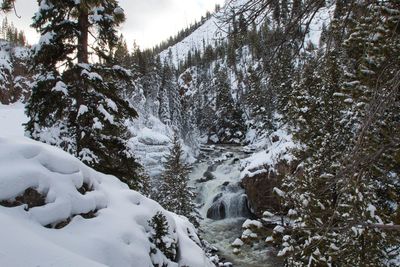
[(213, 32), (55, 211), (210, 33)]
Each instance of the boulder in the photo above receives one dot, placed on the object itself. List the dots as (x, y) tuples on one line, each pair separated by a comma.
[(260, 187)]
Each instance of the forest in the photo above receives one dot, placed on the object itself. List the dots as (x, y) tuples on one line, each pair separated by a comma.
[(267, 133)]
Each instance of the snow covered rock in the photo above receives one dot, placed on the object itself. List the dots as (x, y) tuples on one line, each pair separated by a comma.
[(263, 171), (56, 211)]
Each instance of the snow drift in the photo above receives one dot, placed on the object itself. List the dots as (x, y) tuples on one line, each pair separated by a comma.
[(56, 211)]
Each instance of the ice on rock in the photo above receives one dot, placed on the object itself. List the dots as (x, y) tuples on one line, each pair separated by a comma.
[(252, 223), (237, 243), (279, 229)]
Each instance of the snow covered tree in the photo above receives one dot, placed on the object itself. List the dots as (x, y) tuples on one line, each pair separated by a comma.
[(168, 91), (6, 5), (229, 125), (342, 204), (75, 104), (161, 237), (174, 193), (260, 101)]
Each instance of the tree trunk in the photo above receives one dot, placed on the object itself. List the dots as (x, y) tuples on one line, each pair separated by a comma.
[(83, 57), (83, 22)]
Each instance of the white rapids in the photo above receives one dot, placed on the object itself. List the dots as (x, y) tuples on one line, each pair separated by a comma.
[(223, 202)]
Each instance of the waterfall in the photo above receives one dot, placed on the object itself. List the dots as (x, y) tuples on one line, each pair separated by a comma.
[(224, 205), (229, 205), (217, 179)]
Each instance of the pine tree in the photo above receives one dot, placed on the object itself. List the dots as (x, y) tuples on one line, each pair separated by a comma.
[(174, 193), (80, 108), (6, 5), (161, 236), (229, 126), (170, 104), (341, 204), (260, 101), (121, 54)]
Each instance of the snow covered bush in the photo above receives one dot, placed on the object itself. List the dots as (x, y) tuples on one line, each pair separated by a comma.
[(162, 239)]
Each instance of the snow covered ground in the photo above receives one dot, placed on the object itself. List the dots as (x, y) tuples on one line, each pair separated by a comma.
[(278, 147), (11, 119), (105, 223)]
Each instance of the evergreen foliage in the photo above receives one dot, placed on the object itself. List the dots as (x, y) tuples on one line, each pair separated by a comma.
[(174, 193), (11, 34), (6, 5), (229, 125), (340, 101), (80, 108), (160, 236)]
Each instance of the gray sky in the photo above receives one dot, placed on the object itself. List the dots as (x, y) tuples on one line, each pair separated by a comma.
[(147, 21)]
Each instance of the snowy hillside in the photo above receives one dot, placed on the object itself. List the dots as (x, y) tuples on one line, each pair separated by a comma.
[(14, 76), (213, 32), (55, 211), (210, 33)]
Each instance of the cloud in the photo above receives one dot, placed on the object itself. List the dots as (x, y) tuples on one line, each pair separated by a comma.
[(147, 21)]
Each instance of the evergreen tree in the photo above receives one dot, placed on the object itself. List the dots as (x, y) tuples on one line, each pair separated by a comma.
[(80, 108), (161, 237), (260, 101), (11, 34), (342, 202), (6, 5), (229, 126), (121, 55), (174, 193)]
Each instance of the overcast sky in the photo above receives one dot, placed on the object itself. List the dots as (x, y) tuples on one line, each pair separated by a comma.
[(147, 21)]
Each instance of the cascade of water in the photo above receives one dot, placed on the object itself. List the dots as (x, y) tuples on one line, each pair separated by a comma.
[(228, 205), (218, 183), (224, 204)]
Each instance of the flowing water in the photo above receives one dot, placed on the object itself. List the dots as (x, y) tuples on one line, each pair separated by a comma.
[(216, 176)]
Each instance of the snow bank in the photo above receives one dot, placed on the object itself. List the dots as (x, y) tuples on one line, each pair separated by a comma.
[(11, 119), (102, 222), (279, 149)]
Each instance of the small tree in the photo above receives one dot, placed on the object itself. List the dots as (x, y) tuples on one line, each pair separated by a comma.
[(6, 5), (174, 193), (161, 237)]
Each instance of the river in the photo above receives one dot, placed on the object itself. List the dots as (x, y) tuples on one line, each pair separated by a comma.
[(216, 177)]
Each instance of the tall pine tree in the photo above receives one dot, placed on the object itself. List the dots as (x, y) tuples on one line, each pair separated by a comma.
[(75, 104), (174, 193)]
